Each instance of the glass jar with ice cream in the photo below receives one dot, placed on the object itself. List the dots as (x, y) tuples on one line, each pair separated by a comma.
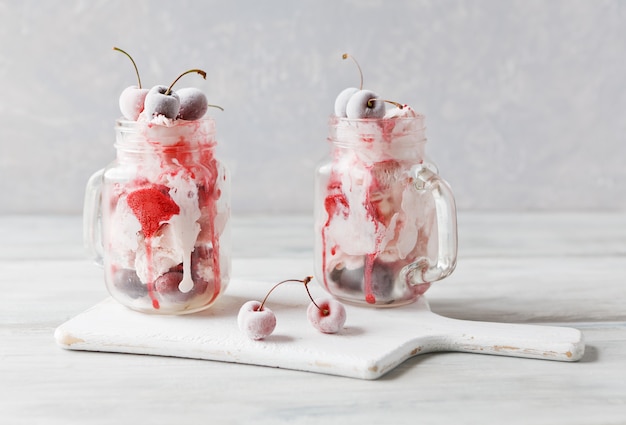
[(157, 217), (385, 222)]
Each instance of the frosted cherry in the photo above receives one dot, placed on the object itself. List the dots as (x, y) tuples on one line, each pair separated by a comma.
[(326, 315), (256, 320), (193, 104), (365, 104), (132, 98), (127, 281), (342, 99), (162, 100)]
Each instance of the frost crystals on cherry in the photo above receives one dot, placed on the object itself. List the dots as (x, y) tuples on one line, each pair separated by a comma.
[(132, 98), (162, 100)]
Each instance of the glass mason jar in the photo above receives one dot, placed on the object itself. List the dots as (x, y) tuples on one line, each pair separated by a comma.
[(385, 222), (157, 218)]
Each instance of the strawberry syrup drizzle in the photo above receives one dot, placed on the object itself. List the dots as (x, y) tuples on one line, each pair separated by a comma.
[(375, 217), (368, 269), (335, 203), (367, 278), (210, 202)]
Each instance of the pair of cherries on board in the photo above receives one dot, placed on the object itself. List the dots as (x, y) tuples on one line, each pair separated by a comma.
[(187, 104), (258, 322)]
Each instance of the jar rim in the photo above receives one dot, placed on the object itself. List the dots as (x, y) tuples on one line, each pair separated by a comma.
[(134, 126), (335, 120), (181, 134), (398, 131)]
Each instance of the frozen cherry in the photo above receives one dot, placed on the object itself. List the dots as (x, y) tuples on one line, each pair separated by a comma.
[(353, 279), (365, 104), (348, 279), (342, 101), (193, 104), (201, 262), (167, 284), (326, 315), (256, 320), (162, 100), (127, 281), (132, 98), (382, 281), (132, 102), (201, 259), (200, 286)]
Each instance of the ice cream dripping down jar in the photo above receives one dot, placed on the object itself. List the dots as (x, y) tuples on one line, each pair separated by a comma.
[(385, 221), (158, 217)]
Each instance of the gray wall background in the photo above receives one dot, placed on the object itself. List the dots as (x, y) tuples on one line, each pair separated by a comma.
[(525, 100)]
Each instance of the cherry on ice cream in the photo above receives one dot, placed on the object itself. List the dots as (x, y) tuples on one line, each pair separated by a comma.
[(162, 100), (132, 98), (193, 104), (365, 104)]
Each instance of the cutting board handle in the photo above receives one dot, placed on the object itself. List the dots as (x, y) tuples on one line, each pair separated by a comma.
[(505, 339)]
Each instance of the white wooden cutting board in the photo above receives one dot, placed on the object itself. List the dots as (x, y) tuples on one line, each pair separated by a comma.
[(372, 342)]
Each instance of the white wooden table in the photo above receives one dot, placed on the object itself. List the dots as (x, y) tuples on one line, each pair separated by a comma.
[(559, 269)]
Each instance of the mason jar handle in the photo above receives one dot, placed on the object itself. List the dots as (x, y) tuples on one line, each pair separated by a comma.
[(92, 217), (424, 270)]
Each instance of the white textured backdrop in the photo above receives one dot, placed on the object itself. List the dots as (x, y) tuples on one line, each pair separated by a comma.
[(525, 100)]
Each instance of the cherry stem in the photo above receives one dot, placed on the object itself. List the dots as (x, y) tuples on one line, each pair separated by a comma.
[(324, 311), (346, 56), (371, 105), (216, 106), (305, 281), (134, 64), (197, 71)]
